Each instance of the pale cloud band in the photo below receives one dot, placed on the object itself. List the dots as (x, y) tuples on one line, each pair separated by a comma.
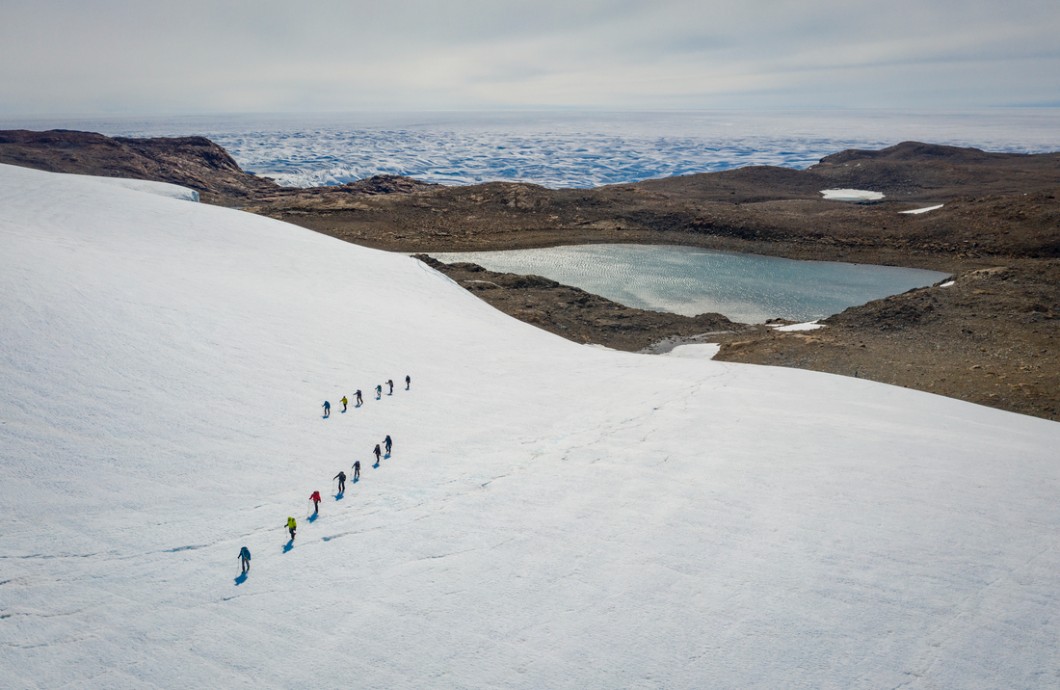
[(125, 56)]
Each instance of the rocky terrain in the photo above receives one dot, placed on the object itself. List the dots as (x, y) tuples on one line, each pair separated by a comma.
[(989, 338)]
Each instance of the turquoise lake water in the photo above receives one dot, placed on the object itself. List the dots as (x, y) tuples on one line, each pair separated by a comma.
[(747, 288)]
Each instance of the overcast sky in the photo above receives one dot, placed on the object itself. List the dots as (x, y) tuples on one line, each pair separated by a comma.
[(109, 57)]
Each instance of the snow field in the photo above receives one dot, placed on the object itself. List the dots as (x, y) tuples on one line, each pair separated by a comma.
[(552, 516)]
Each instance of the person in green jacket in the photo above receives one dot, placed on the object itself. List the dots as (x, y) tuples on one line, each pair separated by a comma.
[(291, 526)]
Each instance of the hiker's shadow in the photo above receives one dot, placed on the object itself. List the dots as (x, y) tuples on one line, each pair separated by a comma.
[(288, 546), (241, 579), (313, 518), (375, 466), (387, 456), (339, 496)]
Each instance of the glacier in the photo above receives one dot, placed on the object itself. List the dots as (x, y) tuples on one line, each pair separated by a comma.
[(553, 515)]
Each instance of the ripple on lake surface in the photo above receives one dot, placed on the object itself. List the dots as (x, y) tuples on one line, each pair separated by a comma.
[(688, 280)]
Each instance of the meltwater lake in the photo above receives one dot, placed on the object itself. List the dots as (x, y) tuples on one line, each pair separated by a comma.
[(747, 288)]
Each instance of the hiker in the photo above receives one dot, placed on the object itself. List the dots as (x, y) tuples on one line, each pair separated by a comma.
[(356, 470), (244, 557), (378, 392), (315, 498), (390, 382), (291, 526), (344, 401), (341, 476), (360, 400), (408, 381), (327, 409), (387, 444), (377, 453)]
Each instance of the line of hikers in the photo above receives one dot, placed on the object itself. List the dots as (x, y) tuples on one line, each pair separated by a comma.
[(359, 398), (292, 524)]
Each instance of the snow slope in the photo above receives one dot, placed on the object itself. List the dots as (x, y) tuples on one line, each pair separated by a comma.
[(553, 515)]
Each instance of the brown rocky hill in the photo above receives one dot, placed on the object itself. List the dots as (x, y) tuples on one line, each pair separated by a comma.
[(194, 162)]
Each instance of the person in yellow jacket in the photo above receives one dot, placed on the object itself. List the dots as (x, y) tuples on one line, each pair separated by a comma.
[(344, 401), (291, 526)]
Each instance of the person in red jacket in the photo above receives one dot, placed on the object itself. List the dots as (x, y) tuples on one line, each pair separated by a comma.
[(315, 498)]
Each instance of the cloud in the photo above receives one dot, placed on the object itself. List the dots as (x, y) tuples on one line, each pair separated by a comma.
[(112, 56)]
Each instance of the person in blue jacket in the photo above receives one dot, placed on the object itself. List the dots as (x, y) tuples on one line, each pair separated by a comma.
[(244, 557)]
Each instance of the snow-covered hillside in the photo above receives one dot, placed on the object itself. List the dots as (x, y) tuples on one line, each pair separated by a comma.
[(553, 515)]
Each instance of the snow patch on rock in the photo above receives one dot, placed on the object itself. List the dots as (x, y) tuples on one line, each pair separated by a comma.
[(918, 211), (851, 195), (808, 326)]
